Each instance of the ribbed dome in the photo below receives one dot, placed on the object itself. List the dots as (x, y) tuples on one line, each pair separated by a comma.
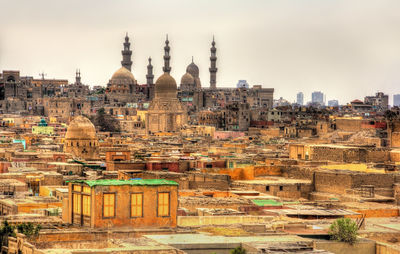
[(187, 79), (123, 74), (193, 70), (165, 86), (81, 128)]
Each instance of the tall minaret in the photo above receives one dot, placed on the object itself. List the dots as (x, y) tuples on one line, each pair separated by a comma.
[(78, 77), (149, 75), (213, 68), (126, 54), (167, 57)]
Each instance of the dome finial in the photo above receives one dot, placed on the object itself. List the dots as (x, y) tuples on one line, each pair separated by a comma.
[(192, 59)]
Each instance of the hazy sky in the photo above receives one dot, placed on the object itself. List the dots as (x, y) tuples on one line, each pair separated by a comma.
[(346, 49)]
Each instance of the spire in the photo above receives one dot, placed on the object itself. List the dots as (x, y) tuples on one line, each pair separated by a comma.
[(127, 54), (149, 76), (213, 68), (167, 57), (192, 60), (78, 76)]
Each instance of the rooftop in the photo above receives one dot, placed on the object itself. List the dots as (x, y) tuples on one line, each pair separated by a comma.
[(139, 182)]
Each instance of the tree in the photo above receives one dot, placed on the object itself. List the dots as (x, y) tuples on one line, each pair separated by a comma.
[(6, 230), (344, 230), (29, 229), (390, 115), (106, 122), (238, 250)]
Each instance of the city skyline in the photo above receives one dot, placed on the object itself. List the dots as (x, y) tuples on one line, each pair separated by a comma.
[(340, 48)]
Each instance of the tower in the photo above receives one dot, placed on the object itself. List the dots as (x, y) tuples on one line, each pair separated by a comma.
[(127, 54), (213, 67), (167, 57), (149, 76), (78, 77)]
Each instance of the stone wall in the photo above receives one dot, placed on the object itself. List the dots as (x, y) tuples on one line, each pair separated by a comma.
[(348, 124), (338, 181)]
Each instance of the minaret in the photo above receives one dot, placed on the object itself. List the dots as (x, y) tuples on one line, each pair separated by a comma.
[(127, 54), (149, 75), (78, 77), (167, 57), (213, 68)]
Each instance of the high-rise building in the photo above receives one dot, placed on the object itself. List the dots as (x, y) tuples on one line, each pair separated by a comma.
[(333, 103), (300, 99), (379, 102), (317, 97), (396, 100)]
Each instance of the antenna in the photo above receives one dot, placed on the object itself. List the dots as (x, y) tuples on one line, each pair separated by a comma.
[(42, 74)]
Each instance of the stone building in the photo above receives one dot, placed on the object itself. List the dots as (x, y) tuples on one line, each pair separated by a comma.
[(165, 113), (150, 203), (63, 108), (123, 85), (81, 140), (236, 116)]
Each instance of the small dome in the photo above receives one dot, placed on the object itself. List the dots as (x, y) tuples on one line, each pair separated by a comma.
[(123, 74), (165, 86), (187, 79), (42, 122), (81, 128), (193, 70)]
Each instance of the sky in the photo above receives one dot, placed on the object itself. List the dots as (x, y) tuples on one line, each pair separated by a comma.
[(346, 49)]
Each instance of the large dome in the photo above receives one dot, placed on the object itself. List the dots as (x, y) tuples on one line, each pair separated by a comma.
[(193, 70), (187, 79), (80, 128), (123, 75), (166, 86)]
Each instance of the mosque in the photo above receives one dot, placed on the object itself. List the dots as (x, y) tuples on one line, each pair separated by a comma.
[(81, 139), (166, 112), (171, 107)]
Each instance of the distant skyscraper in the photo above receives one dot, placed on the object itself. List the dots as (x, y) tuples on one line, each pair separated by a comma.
[(317, 97), (300, 99), (396, 100), (333, 103)]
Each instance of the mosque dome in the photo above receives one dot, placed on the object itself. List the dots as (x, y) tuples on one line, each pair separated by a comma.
[(81, 128), (193, 70), (123, 75), (187, 79), (165, 86)]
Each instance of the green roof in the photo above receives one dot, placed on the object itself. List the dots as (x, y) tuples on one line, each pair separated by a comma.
[(139, 182), (266, 202)]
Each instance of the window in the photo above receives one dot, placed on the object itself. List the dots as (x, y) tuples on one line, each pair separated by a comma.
[(136, 204), (281, 188), (86, 189), (86, 205), (77, 203), (163, 204), (267, 188), (109, 205)]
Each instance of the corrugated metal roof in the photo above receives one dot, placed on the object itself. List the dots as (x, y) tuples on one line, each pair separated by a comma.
[(108, 182)]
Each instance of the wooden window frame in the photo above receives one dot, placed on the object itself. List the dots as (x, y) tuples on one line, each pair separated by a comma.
[(130, 205), (89, 205), (169, 203), (76, 196), (115, 205)]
